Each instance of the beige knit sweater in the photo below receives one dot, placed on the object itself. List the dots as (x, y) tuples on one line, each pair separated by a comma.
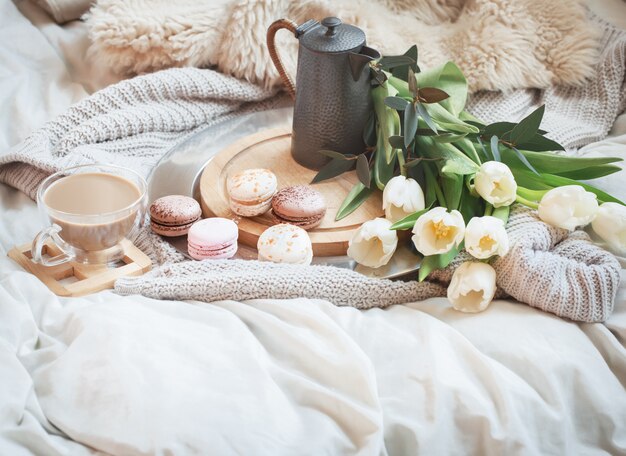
[(135, 122)]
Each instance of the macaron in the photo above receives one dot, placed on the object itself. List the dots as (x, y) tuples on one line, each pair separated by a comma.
[(300, 205), (251, 191), (173, 215), (285, 243), (212, 238)]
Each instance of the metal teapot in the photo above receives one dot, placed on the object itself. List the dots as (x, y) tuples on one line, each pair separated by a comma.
[(332, 100)]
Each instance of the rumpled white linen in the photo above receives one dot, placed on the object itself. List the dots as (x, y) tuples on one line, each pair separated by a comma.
[(131, 375)]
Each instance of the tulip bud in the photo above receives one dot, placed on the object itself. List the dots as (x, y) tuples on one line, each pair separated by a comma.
[(437, 231), (568, 207), (610, 225), (472, 287), (402, 197), (374, 243), (495, 183), (486, 237)]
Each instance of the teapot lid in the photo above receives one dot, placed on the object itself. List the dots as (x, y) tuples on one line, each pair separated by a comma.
[(333, 36)]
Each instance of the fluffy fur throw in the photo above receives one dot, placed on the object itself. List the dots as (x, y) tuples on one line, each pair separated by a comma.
[(499, 44)]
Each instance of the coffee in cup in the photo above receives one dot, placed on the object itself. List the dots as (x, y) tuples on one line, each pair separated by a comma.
[(91, 209)]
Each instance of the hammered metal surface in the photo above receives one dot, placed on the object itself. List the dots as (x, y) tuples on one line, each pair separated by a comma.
[(344, 39), (331, 109)]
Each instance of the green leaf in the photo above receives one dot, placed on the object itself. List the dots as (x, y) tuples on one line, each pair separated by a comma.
[(369, 132), (452, 186), (431, 188), (410, 123), (409, 221), (591, 173), (382, 171), (527, 128), (448, 137), (558, 164), (433, 262), (332, 169), (432, 95), (388, 119), (498, 129), (363, 170), (355, 198), (450, 79), (397, 142), (412, 83), (337, 155), (549, 181), (540, 143), (468, 149), (389, 62), (397, 103), (456, 161), (448, 121), (378, 76), (425, 116), (402, 72), (484, 149), (470, 206), (495, 149), (524, 160)]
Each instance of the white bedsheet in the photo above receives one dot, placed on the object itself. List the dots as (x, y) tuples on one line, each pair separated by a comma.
[(131, 375)]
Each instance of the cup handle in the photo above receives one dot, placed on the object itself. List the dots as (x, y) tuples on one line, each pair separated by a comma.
[(36, 251), (271, 46)]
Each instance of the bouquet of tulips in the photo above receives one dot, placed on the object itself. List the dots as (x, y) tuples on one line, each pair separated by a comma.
[(450, 178)]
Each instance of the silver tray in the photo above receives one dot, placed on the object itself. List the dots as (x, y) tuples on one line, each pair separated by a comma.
[(179, 171)]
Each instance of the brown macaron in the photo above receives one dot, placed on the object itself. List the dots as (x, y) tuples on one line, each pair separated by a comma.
[(299, 205), (173, 215)]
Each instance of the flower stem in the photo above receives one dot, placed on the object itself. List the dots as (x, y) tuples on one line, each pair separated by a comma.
[(534, 195), (488, 209), (401, 161), (525, 202), (502, 213)]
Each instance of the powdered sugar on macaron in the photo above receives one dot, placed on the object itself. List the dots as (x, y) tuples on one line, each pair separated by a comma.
[(173, 215), (285, 243), (300, 205), (250, 191)]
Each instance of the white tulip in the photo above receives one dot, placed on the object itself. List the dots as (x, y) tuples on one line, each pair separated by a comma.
[(402, 197), (486, 237), (610, 225), (568, 207), (374, 243), (472, 287), (495, 183), (437, 231)]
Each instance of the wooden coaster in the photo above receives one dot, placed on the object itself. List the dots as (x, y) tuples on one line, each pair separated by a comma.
[(271, 149), (81, 279)]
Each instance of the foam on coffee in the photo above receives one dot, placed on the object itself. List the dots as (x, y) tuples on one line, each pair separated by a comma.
[(92, 194)]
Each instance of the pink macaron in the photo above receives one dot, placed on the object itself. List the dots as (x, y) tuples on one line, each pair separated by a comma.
[(212, 238)]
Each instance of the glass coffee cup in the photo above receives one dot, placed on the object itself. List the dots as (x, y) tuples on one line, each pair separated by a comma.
[(88, 212)]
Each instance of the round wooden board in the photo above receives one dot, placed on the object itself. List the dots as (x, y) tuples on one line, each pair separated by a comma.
[(271, 149)]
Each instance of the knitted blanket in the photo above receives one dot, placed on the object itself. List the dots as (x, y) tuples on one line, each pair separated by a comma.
[(547, 268), (135, 122)]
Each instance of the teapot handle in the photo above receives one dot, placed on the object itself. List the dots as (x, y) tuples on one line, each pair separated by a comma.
[(271, 46)]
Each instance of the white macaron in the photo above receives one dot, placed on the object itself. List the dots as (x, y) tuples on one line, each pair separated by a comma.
[(285, 243), (251, 191)]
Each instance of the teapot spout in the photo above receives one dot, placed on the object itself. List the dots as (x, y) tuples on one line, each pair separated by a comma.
[(360, 59)]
